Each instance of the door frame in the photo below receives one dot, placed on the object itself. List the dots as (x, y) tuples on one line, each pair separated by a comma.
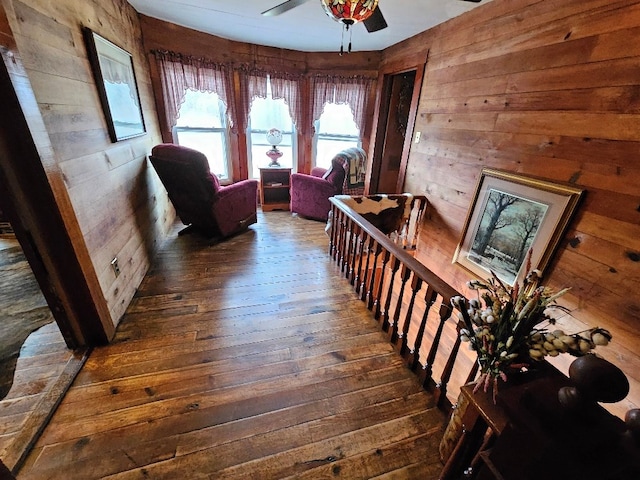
[(385, 82)]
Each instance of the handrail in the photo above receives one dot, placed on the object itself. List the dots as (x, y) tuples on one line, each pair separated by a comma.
[(392, 282)]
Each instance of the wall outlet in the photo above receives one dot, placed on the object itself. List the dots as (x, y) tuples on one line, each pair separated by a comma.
[(115, 266), (417, 137)]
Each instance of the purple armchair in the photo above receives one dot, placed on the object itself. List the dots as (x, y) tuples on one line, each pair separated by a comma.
[(310, 193), (199, 199)]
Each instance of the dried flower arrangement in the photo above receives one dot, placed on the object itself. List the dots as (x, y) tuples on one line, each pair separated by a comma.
[(512, 328)]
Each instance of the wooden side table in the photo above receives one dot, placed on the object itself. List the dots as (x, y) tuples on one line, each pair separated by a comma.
[(274, 188), (529, 435)]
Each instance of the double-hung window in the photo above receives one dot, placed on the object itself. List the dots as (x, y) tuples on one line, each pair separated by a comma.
[(335, 131), (265, 114), (202, 125)]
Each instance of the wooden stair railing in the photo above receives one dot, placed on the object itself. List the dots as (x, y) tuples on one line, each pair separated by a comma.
[(391, 282)]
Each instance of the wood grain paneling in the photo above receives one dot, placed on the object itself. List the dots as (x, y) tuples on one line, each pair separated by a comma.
[(121, 209), (548, 89)]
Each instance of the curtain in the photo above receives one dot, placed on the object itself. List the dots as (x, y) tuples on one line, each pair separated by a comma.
[(180, 72), (289, 87), (353, 91), (253, 84)]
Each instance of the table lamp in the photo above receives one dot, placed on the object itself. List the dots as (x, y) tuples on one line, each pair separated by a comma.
[(274, 137)]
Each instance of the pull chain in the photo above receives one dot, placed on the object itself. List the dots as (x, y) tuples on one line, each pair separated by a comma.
[(346, 24), (350, 35)]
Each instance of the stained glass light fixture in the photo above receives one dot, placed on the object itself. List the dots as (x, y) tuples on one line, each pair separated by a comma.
[(349, 12)]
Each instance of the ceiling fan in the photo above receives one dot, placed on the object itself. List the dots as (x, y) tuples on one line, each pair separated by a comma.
[(373, 23)]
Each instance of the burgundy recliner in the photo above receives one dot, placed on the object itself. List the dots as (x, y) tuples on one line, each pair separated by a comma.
[(196, 194), (310, 193)]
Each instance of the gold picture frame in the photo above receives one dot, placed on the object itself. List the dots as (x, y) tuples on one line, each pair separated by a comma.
[(509, 215)]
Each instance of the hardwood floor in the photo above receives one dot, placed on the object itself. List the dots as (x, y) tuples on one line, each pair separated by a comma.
[(251, 358), (44, 368)]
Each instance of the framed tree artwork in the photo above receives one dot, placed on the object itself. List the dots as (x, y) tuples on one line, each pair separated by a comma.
[(510, 215), (116, 82)]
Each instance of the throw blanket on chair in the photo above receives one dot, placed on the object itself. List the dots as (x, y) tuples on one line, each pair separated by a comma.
[(354, 161)]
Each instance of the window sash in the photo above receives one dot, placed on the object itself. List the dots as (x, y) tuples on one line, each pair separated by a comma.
[(218, 158)]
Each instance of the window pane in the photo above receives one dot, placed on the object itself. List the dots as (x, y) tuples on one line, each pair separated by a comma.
[(267, 113), (327, 148), (201, 125), (201, 109), (335, 131), (212, 144)]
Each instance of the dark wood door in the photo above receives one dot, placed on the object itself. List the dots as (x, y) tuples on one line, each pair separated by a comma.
[(395, 127)]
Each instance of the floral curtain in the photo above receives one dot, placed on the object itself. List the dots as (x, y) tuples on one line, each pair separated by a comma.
[(353, 91), (180, 72)]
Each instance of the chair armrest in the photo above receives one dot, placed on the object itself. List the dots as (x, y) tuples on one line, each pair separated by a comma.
[(309, 183), (235, 188), (235, 206), (318, 172)]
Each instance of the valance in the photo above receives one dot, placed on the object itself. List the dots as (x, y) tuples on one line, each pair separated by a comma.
[(180, 72), (354, 91)]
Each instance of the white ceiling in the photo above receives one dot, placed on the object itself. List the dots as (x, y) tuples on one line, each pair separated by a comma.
[(304, 28)]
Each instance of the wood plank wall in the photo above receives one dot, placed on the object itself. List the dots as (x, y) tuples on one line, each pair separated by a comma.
[(120, 205), (161, 35), (549, 89)]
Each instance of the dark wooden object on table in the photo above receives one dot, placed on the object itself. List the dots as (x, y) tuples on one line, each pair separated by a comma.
[(528, 434), (274, 188)]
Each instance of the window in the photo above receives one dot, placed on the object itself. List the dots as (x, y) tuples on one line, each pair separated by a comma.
[(267, 113), (202, 125), (335, 131)]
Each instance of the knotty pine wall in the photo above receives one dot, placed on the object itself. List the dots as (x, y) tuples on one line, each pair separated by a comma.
[(548, 89), (120, 205)]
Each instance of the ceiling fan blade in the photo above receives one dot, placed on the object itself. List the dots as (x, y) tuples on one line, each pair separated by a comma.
[(375, 22), (283, 7)]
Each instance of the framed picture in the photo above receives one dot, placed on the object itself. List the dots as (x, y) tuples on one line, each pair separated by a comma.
[(509, 215), (116, 81)]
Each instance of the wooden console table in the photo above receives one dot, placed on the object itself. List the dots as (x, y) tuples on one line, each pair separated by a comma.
[(529, 435)]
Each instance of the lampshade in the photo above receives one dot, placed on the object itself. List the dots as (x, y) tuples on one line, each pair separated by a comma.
[(274, 137), (349, 11)]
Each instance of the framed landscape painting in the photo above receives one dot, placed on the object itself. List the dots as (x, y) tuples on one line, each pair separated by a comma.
[(509, 215), (116, 81)]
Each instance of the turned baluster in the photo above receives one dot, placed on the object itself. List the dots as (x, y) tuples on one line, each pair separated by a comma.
[(376, 254), (427, 373), (405, 274), (441, 388), (395, 265), (355, 281), (345, 247), (340, 222), (355, 252), (416, 285), (365, 275), (414, 356), (378, 295)]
